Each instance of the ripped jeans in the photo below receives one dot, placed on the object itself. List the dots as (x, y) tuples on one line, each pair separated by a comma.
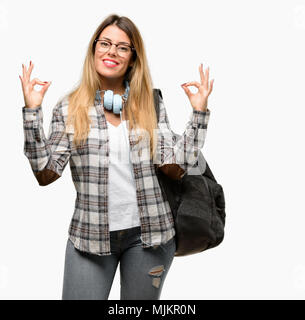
[(142, 271)]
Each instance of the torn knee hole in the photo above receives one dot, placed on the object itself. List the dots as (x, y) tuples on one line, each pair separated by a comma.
[(156, 272)]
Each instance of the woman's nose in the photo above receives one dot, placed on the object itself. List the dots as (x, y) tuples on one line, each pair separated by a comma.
[(112, 49)]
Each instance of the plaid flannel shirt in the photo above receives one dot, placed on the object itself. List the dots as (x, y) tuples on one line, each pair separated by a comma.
[(89, 228)]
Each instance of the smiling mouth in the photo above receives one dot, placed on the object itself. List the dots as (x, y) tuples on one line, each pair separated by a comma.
[(110, 64)]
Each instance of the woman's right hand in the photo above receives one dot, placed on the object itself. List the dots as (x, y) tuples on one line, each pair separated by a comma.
[(32, 98)]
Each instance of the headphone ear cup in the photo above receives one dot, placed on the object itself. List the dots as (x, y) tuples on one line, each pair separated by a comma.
[(117, 104), (108, 99)]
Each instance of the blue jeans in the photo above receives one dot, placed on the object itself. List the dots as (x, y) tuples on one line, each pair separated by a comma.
[(142, 271)]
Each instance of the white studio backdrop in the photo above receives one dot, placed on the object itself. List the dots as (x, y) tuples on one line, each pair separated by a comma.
[(254, 143)]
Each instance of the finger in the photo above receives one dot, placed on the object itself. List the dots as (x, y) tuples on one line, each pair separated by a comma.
[(36, 81), (207, 70), (30, 70), (21, 82), (23, 72), (192, 83), (211, 86), (201, 73)]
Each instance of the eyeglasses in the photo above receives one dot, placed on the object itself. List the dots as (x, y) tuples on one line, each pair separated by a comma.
[(123, 50)]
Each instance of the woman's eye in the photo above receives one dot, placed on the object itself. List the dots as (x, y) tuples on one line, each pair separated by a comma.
[(123, 48)]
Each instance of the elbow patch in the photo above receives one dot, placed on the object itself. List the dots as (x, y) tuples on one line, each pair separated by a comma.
[(173, 171), (46, 176)]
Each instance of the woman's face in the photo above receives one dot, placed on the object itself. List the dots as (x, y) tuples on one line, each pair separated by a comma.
[(123, 61)]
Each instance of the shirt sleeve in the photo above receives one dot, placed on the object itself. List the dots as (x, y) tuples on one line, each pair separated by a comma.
[(47, 157), (177, 153)]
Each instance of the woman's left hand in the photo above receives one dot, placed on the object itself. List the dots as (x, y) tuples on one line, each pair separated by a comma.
[(199, 100)]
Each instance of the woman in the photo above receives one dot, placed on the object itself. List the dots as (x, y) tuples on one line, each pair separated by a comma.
[(120, 214)]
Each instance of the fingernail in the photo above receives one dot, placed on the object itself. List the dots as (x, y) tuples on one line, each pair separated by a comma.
[(30, 62), (183, 84)]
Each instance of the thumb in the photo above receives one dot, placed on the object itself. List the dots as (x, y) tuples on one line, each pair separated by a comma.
[(45, 88)]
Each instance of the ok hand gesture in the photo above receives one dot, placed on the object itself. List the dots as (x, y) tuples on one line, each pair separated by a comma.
[(32, 98), (199, 100)]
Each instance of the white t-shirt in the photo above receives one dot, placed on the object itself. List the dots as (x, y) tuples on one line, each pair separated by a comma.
[(123, 210)]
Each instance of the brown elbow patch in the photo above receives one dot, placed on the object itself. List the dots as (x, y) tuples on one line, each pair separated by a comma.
[(46, 176), (173, 171)]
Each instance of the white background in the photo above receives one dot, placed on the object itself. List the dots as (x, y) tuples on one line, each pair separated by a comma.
[(254, 143)]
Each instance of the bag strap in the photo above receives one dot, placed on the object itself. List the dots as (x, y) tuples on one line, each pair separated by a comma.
[(157, 93)]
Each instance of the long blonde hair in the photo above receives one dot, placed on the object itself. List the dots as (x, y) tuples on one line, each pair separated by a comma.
[(139, 108)]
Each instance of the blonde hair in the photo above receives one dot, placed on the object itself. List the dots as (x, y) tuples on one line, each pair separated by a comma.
[(139, 108)]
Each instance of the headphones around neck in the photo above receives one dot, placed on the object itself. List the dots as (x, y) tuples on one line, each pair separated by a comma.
[(113, 101)]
